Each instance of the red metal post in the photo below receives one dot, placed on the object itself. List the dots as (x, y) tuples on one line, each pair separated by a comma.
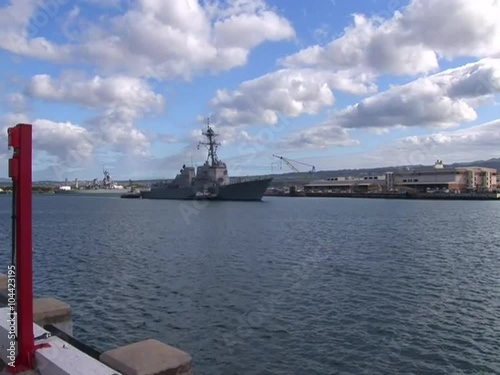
[(20, 170)]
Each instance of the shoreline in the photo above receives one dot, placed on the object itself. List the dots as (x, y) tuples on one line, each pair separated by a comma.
[(414, 196)]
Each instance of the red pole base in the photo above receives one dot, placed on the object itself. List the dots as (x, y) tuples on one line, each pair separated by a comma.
[(20, 364), (19, 369)]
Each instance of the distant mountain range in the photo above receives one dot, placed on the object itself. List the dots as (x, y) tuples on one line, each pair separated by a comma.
[(304, 176), (490, 163)]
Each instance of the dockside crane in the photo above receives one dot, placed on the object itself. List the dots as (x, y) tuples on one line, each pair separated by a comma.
[(290, 163)]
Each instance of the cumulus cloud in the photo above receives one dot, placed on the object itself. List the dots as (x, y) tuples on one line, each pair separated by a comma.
[(9, 120), (319, 137), (17, 103), (454, 28), (226, 136), (122, 101), (67, 147), (441, 100), (153, 38), (478, 142), (63, 141), (370, 44), (445, 99), (97, 92), (21, 25), (412, 41), (105, 3), (289, 92), (116, 128), (473, 143), (181, 39), (250, 148)]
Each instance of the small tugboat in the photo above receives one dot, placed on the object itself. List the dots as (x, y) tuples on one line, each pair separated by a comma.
[(132, 193)]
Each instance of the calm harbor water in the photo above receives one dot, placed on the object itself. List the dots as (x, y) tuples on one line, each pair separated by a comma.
[(286, 286)]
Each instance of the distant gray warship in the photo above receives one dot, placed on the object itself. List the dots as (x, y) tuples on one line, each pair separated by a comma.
[(104, 188), (211, 181)]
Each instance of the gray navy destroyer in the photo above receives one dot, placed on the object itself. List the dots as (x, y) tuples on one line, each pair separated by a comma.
[(210, 181), (104, 188)]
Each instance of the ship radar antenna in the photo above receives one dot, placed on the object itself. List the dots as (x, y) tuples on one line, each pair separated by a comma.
[(211, 144)]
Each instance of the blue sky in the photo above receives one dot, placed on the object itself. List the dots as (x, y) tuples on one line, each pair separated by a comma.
[(338, 84)]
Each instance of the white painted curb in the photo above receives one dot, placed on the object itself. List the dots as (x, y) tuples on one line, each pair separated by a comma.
[(60, 359)]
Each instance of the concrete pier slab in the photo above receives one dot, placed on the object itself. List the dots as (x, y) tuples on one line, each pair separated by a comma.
[(3, 282), (60, 358), (45, 310), (52, 311), (148, 357)]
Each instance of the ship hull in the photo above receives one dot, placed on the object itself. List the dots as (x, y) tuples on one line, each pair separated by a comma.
[(93, 192), (185, 193), (240, 191)]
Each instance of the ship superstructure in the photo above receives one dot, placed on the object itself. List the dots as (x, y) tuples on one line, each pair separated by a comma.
[(209, 181), (104, 187)]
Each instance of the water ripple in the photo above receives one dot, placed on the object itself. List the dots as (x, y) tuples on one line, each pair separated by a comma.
[(289, 286)]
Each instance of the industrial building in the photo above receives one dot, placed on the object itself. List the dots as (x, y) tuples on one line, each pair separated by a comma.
[(432, 179)]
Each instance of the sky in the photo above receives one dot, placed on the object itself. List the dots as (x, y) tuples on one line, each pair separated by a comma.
[(127, 85)]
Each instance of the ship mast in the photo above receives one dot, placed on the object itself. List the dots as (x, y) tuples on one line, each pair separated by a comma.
[(211, 144)]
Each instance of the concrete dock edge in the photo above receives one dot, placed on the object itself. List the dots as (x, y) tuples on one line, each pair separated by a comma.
[(52, 311), (148, 357), (3, 282)]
